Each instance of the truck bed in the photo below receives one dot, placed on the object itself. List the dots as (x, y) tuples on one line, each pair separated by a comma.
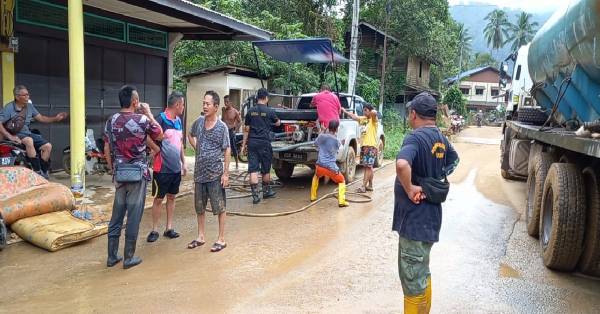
[(558, 137)]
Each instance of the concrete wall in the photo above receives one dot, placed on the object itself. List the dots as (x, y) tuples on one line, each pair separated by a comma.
[(487, 92), (196, 88)]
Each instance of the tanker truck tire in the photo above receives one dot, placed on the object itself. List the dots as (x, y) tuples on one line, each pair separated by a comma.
[(505, 155), (562, 219), (535, 186), (3, 235), (531, 115), (589, 263)]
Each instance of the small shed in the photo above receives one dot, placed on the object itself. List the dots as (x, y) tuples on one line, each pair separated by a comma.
[(236, 81)]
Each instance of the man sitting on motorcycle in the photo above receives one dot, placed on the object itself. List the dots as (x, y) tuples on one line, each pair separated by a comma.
[(15, 118)]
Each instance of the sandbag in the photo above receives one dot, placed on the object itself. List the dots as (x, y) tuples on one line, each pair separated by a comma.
[(57, 230), (35, 201)]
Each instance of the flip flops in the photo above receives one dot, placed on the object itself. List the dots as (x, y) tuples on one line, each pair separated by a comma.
[(218, 247), (171, 234), (194, 244)]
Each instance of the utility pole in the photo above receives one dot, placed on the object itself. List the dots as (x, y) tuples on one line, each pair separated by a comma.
[(384, 61), (353, 47)]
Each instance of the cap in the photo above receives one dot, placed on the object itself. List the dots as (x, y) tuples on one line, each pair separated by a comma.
[(424, 104), (262, 93)]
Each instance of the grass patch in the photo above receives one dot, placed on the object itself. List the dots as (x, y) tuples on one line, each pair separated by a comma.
[(393, 126), (189, 151), (393, 141)]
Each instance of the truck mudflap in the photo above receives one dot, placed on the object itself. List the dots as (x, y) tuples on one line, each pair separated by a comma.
[(559, 137)]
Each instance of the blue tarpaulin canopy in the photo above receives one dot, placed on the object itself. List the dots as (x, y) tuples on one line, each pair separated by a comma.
[(311, 50)]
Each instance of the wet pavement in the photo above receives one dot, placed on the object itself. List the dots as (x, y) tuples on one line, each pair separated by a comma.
[(323, 260)]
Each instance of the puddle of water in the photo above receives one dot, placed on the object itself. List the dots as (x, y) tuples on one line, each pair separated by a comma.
[(508, 272)]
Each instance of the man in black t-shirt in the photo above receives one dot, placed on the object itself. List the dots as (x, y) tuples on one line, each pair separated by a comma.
[(259, 122), (425, 153)]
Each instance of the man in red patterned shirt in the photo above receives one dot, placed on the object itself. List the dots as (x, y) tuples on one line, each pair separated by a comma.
[(125, 137)]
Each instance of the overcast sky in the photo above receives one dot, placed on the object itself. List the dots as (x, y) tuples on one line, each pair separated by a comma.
[(526, 5)]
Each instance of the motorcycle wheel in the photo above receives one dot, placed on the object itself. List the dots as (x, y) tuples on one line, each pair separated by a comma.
[(66, 160)]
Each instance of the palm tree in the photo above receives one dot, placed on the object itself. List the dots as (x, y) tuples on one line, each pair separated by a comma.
[(464, 43), (496, 31), (522, 32)]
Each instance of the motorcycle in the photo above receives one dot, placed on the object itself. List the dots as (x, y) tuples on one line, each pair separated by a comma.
[(95, 162), (13, 154), (457, 124)]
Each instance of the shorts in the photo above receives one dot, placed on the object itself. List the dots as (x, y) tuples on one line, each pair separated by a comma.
[(413, 266), (368, 155), (165, 183), (260, 157), (38, 140), (232, 143), (336, 177), (210, 190)]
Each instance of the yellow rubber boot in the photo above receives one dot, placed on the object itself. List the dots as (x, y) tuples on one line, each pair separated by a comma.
[(428, 295), (313, 188), (419, 304), (342, 195)]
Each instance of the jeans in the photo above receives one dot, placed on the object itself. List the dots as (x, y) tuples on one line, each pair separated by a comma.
[(130, 199)]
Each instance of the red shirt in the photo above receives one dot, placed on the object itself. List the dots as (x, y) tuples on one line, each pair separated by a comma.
[(328, 107)]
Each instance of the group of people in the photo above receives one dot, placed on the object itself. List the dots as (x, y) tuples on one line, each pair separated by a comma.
[(425, 154), (128, 133)]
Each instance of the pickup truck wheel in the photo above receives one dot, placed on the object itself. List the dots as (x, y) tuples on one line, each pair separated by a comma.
[(380, 153), (562, 222), (285, 170), (66, 160), (535, 186), (589, 263), (349, 166)]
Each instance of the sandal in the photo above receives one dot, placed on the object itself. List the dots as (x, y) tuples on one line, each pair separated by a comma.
[(194, 244), (369, 188), (361, 190), (171, 234), (217, 247)]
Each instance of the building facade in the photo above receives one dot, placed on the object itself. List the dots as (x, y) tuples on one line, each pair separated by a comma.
[(481, 88), (125, 42)]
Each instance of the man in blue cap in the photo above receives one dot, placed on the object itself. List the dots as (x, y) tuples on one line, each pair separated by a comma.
[(425, 153)]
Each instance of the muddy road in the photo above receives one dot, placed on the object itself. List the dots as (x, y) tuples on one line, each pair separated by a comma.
[(323, 260)]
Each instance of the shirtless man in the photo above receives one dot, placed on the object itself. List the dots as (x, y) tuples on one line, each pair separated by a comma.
[(233, 120)]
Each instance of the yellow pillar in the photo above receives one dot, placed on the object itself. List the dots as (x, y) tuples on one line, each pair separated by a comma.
[(77, 94), (8, 77)]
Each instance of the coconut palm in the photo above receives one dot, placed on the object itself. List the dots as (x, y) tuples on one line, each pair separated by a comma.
[(522, 32), (464, 43), (496, 31)]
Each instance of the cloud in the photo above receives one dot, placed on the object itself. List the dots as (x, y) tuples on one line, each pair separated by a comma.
[(529, 5)]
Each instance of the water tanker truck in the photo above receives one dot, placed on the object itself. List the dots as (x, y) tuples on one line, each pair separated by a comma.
[(551, 136)]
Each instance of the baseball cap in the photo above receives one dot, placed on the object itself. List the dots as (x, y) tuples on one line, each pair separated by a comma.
[(424, 104), (262, 93)]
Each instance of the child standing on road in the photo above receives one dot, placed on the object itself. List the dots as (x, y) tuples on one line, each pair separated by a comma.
[(368, 151), (328, 146)]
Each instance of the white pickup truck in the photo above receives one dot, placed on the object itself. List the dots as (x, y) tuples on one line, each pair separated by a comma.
[(294, 143)]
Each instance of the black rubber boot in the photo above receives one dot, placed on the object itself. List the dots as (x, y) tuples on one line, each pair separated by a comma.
[(130, 259), (35, 164), (255, 197), (267, 191), (45, 167), (113, 249)]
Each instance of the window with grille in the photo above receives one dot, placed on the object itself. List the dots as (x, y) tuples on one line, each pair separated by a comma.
[(50, 15)]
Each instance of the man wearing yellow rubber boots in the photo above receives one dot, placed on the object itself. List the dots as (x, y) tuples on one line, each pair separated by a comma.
[(424, 161), (328, 145)]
